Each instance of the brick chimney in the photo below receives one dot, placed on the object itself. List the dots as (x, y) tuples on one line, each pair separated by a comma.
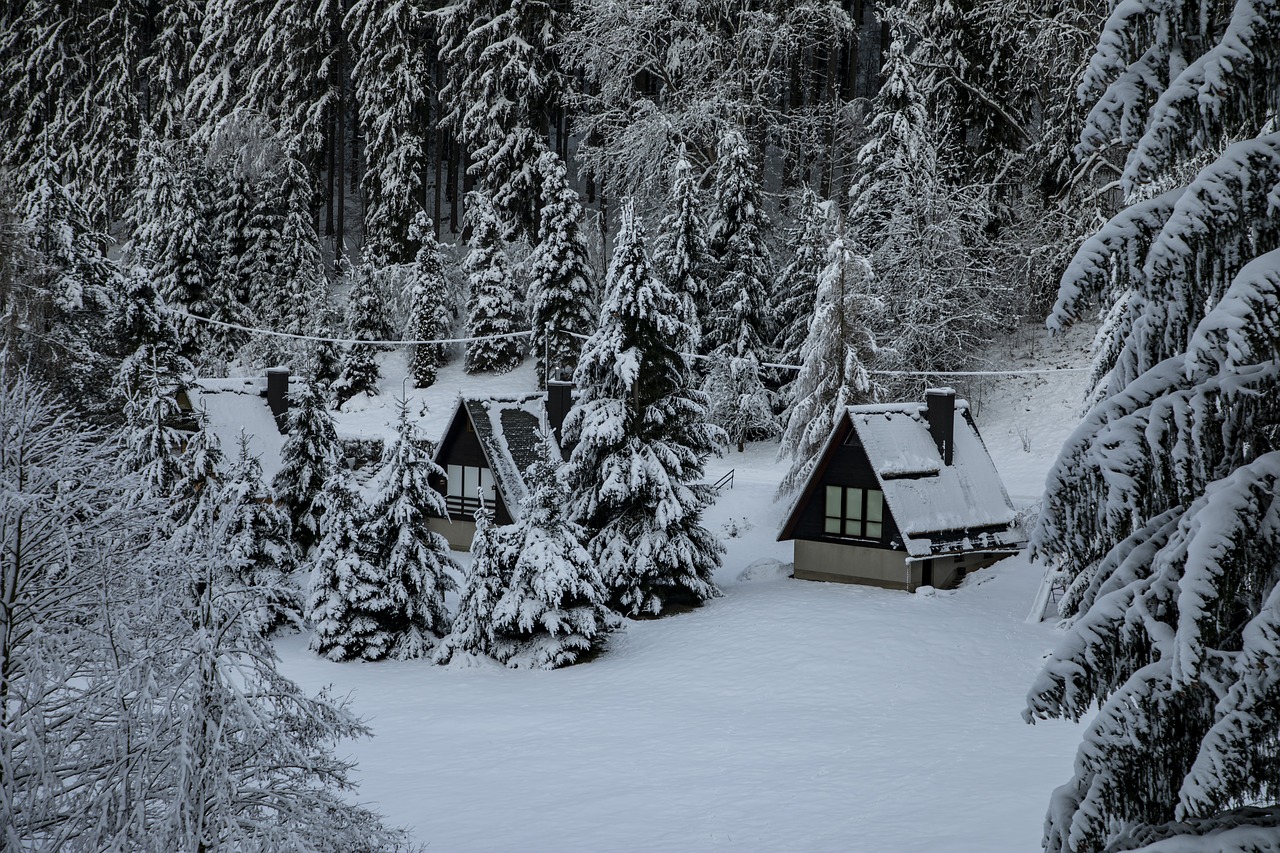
[(940, 412), (278, 395)]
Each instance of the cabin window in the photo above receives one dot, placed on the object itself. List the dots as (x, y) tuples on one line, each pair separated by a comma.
[(853, 511), (466, 484)]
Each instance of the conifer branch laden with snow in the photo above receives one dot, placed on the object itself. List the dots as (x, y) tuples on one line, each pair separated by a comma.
[(1162, 507), (493, 305), (427, 293), (641, 442)]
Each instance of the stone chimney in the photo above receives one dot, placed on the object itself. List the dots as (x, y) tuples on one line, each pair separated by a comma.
[(559, 401), (940, 411), (278, 395)]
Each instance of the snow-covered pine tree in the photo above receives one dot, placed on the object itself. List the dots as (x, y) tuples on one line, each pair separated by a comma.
[(390, 77), (430, 318), (833, 372), (285, 268), (642, 439), (681, 254), (324, 357), (493, 306), (367, 320), (741, 295), (260, 543), (152, 441), (921, 232), (809, 238), (500, 85), (1162, 506), (348, 597), (473, 627), (738, 401), (414, 560), (308, 459), (171, 232), (197, 489), (553, 610), (561, 296)]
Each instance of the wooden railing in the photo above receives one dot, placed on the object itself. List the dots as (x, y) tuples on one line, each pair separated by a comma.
[(726, 480)]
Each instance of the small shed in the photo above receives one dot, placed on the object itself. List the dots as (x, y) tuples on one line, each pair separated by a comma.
[(902, 496), (486, 449)]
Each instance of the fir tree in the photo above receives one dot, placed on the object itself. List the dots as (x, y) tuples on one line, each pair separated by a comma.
[(349, 595), (500, 85), (833, 372), (308, 459), (641, 440), (681, 254), (483, 586), (414, 560), (152, 440), (740, 297), (552, 611), (561, 297), (260, 543), (196, 490), (367, 320), (809, 240), (428, 298), (392, 68), (1161, 509), (493, 308)]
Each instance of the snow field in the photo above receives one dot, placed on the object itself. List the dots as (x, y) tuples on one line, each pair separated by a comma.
[(783, 715)]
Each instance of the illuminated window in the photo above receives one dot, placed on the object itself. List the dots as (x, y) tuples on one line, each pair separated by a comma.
[(466, 484), (854, 512)]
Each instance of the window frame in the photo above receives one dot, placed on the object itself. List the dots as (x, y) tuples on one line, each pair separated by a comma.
[(461, 479), (853, 519)]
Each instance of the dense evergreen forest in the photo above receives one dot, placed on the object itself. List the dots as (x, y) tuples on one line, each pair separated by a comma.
[(667, 200)]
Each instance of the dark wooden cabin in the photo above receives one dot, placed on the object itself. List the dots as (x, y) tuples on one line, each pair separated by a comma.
[(486, 449), (902, 496)]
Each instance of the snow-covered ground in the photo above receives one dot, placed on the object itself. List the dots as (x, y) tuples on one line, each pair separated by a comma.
[(783, 715)]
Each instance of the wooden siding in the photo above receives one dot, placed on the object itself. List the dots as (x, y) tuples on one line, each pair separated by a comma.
[(460, 446), (848, 466)]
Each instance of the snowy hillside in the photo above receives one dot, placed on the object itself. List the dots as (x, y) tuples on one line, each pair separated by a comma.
[(784, 715)]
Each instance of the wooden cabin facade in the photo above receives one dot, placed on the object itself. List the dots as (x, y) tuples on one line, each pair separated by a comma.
[(486, 449), (902, 496)]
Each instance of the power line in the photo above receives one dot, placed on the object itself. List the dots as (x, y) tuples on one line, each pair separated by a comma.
[(319, 339)]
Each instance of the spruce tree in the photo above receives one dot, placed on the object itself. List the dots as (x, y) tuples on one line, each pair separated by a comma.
[(308, 459), (485, 582), (493, 306), (681, 255), (741, 296), (561, 296), (367, 320), (500, 86), (642, 437), (260, 543), (809, 239), (833, 361), (428, 296), (349, 595), (552, 611), (414, 560), (390, 77), (1161, 509)]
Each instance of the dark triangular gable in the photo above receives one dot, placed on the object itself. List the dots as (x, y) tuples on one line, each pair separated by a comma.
[(462, 446), (853, 469)]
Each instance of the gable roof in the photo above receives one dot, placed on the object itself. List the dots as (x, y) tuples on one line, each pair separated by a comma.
[(510, 432), (939, 509), (240, 403)]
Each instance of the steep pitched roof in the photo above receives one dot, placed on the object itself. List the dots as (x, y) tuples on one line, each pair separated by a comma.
[(939, 509), (510, 432), (235, 404)]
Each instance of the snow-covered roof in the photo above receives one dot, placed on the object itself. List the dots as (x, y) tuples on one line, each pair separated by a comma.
[(510, 432), (235, 404), (938, 508)]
